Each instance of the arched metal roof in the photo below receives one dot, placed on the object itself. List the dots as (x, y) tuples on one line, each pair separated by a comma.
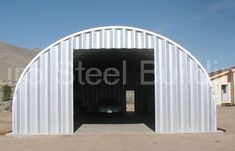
[(113, 27), (183, 90)]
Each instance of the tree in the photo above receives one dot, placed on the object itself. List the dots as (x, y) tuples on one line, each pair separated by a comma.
[(6, 92)]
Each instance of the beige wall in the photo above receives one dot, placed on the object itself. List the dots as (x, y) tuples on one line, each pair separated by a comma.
[(220, 79)]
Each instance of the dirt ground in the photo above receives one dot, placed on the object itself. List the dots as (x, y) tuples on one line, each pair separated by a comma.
[(5, 122), (101, 142)]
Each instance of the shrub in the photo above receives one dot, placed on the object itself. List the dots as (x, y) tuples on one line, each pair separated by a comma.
[(6, 93)]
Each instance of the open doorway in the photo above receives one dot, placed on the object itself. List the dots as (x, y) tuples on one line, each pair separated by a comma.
[(130, 101), (123, 100)]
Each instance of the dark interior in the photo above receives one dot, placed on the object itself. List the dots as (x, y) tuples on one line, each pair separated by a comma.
[(87, 97)]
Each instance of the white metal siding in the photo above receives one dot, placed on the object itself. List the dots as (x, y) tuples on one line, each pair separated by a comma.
[(43, 99)]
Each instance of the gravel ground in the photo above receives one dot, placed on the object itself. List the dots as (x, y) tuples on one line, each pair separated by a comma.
[(102, 142)]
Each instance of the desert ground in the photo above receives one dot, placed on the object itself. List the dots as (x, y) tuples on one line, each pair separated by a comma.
[(221, 141)]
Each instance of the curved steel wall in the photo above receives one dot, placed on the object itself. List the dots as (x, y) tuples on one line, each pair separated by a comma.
[(43, 98)]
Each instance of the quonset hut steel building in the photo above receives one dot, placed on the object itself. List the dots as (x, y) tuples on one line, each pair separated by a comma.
[(182, 91)]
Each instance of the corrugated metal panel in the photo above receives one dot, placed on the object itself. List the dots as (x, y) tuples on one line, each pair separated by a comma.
[(43, 98)]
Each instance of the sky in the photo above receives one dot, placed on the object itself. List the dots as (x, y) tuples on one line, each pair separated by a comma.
[(206, 28)]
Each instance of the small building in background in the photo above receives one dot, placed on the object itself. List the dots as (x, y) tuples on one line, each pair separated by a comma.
[(223, 83)]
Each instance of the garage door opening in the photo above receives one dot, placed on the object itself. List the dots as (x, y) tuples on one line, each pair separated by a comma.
[(102, 78)]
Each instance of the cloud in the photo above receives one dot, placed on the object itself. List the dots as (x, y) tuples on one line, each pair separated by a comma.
[(221, 5)]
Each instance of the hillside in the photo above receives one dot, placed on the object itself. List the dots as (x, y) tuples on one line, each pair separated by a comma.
[(13, 60)]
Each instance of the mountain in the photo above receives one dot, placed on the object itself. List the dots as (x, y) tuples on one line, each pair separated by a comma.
[(13, 60)]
